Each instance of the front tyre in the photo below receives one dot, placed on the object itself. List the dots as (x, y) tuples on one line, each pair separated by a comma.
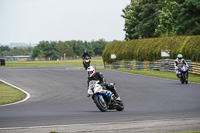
[(186, 78), (100, 104), (182, 78)]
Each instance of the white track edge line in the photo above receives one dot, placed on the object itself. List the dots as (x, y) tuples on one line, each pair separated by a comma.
[(26, 98)]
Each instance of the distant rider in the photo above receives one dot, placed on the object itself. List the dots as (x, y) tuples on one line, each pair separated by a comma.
[(93, 75), (85, 55), (179, 61)]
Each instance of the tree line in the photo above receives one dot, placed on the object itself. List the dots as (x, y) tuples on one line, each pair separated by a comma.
[(8, 51), (158, 18), (57, 50), (69, 49)]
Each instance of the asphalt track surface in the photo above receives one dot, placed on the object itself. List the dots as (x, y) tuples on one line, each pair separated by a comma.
[(58, 96)]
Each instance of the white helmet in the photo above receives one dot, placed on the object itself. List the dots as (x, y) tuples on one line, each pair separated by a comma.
[(91, 71)]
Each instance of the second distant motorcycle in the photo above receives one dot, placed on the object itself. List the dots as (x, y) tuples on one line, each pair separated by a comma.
[(86, 63)]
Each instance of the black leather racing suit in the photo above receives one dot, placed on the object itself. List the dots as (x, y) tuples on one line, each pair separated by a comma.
[(85, 55), (102, 81)]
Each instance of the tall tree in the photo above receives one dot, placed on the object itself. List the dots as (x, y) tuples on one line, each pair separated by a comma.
[(167, 13), (147, 18), (189, 18), (131, 20), (140, 18), (154, 18)]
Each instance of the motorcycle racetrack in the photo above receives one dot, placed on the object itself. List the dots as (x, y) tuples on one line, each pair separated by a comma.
[(58, 96)]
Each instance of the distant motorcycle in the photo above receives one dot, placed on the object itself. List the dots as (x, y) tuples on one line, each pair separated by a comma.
[(86, 63), (183, 73), (103, 98)]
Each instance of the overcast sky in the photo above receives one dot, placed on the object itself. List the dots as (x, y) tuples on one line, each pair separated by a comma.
[(31, 21)]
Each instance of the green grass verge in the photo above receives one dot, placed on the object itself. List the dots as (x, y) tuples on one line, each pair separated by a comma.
[(94, 61), (97, 67), (171, 132), (9, 94), (161, 74), (188, 132)]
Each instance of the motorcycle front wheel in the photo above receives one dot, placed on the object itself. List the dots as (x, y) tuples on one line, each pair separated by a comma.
[(86, 66), (182, 78), (100, 104), (186, 78)]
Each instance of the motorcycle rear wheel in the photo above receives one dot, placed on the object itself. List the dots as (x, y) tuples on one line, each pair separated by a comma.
[(120, 106)]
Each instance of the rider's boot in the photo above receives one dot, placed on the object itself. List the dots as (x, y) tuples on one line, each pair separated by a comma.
[(115, 92), (116, 95)]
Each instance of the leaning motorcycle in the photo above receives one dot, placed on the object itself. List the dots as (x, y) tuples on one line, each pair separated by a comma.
[(183, 73), (86, 63), (103, 98)]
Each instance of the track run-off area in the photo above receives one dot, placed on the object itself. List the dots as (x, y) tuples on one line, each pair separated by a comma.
[(58, 98)]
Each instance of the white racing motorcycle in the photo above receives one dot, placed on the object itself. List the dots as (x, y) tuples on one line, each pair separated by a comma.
[(103, 98)]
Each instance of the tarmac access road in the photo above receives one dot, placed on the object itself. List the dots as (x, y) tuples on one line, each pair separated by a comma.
[(58, 102)]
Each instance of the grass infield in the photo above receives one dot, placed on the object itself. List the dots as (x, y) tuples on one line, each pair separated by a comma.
[(9, 94), (188, 132), (94, 61), (161, 74)]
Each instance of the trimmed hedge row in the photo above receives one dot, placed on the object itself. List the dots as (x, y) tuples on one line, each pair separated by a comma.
[(150, 49)]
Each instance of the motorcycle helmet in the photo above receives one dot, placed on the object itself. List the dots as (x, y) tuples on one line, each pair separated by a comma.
[(180, 56), (91, 71)]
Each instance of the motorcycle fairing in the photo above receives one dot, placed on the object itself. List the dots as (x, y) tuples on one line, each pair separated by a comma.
[(106, 93), (101, 98)]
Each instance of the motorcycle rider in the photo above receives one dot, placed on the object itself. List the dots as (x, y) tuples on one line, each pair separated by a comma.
[(179, 61), (93, 75), (85, 56)]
